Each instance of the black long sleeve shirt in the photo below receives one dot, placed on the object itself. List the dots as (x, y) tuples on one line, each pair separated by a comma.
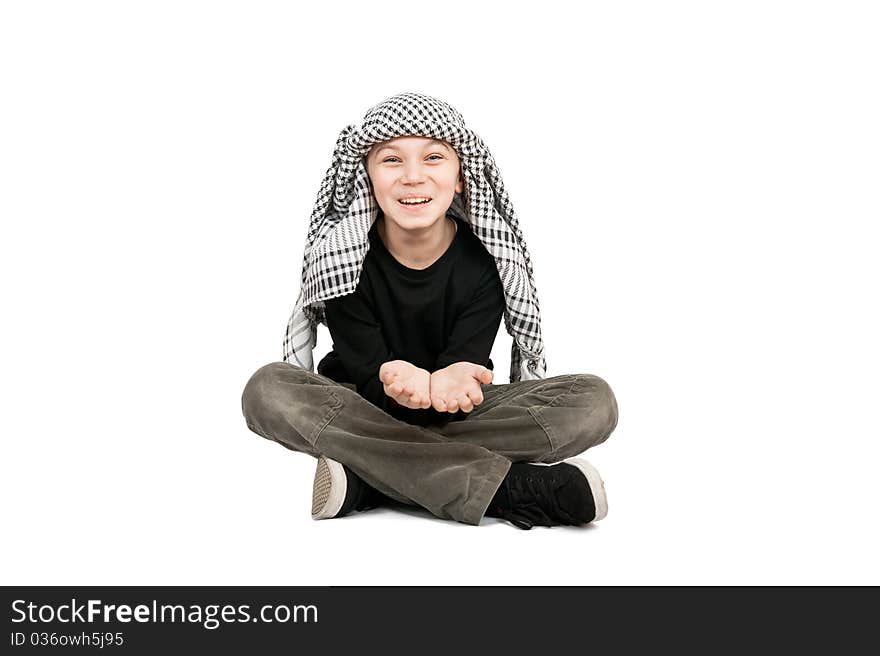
[(448, 312)]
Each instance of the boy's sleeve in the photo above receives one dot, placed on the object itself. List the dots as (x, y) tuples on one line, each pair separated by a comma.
[(476, 327), (358, 339)]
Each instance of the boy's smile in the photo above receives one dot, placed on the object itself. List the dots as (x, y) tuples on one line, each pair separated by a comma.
[(415, 202)]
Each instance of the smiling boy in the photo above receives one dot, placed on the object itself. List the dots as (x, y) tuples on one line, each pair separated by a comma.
[(414, 228), (416, 282)]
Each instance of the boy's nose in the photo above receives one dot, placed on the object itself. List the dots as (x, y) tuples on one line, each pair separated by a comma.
[(412, 173)]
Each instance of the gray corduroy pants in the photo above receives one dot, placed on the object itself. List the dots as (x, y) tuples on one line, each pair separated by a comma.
[(452, 470)]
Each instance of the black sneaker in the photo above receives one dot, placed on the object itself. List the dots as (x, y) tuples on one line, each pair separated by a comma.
[(337, 491), (567, 493)]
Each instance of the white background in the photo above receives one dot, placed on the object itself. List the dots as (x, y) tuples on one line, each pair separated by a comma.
[(698, 186)]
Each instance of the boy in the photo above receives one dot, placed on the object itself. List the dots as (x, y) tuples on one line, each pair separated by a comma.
[(425, 289), (404, 406)]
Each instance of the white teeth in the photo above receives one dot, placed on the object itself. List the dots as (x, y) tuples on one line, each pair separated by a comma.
[(414, 201)]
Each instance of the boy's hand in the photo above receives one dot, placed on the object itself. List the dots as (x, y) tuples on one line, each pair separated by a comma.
[(407, 384), (458, 386)]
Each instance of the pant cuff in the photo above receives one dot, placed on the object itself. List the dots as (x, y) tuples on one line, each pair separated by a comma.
[(476, 506)]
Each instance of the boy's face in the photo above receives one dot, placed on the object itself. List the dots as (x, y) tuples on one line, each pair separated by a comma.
[(414, 166)]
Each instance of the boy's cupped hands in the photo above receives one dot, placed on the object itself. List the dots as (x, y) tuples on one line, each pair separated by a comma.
[(453, 388)]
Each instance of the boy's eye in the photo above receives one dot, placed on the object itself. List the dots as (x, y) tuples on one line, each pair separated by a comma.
[(388, 159)]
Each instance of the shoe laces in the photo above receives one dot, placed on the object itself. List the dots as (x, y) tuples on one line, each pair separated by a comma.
[(532, 501)]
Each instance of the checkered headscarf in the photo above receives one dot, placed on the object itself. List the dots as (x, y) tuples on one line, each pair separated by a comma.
[(337, 241)]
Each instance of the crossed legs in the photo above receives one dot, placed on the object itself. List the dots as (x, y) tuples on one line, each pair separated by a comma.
[(452, 470)]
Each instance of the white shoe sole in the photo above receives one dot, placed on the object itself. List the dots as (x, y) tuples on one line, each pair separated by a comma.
[(328, 490), (597, 485)]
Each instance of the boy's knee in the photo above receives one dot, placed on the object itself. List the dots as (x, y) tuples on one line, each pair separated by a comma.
[(259, 387), (596, 414), (603, 402)]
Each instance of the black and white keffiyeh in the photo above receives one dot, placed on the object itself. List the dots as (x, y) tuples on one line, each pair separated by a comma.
[(337, 240)]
